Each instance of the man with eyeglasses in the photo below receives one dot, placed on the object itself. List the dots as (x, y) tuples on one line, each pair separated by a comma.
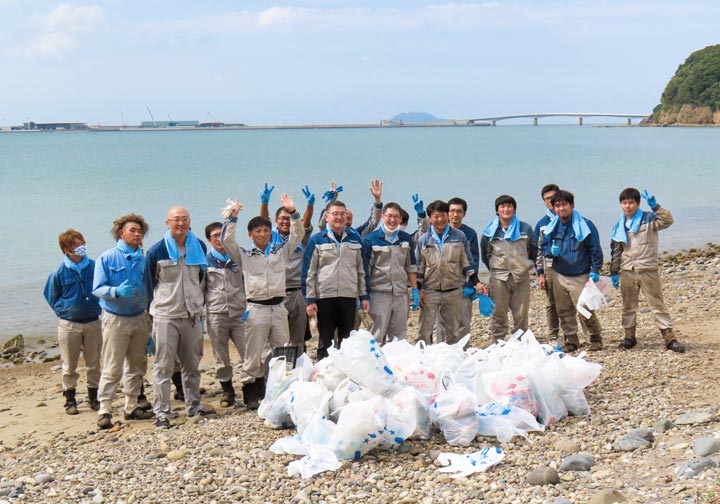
[(294, 300), (334, 277), (545, 263), (174, 275), (118, 283), (391, 263), (225, 304)]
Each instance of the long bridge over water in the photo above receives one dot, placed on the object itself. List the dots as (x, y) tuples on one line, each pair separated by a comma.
[(534, 117)]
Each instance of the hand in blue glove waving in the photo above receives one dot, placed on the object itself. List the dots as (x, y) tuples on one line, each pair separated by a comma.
[(265, 194), (650, 198), (418, 204), (309, 196)]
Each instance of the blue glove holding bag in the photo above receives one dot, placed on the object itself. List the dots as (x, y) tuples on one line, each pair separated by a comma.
[(595, 277), (485, 305)]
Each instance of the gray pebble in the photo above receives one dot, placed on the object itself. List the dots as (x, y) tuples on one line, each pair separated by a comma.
[(607, 496), (663, 425), (562, 500), (7, 484), (115, 468), (4, 492), (626, 443), (577, 463), (706, 446), (543, 476), (646, 434), (693, 467), (695, 417), (43, 478), (567, 445)]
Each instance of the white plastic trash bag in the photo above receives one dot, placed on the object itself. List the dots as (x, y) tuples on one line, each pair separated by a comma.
[(414, 404), (505, 421), (358, 429), (307, 399), (591, 299), (465, 465), (319, 459), (454, 414), (362, 360)]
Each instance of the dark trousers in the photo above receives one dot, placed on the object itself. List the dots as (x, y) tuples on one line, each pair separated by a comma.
[(334, 314)]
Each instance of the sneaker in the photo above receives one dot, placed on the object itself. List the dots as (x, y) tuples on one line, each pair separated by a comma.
[(162, 424), (627, 343), (105, 421), (139, 414), (596, 346), (676, 346)]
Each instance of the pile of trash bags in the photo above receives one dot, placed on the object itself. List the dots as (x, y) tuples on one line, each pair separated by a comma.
[(364, 396)]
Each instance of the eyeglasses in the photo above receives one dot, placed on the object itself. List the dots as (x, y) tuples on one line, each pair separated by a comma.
[(392, 216), (338, 214), (177, 220), (215, 236)]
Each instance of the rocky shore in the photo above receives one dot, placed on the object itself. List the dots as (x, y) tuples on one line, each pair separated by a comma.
[(653, 434)]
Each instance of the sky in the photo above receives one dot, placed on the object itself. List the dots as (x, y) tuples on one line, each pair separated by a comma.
[(331, 61)]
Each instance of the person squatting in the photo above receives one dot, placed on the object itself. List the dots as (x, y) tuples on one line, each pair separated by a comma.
[(117, 309)]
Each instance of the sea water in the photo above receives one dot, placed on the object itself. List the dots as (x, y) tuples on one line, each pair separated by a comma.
[(84, 180)]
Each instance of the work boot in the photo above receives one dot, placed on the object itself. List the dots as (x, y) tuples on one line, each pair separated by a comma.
[(250, 396), (92, 399), (260, 389), (596, 346), (143, 403), (629, 340), (228, 396), (105, 421), (70, 402), (670, 342), (177, 381)]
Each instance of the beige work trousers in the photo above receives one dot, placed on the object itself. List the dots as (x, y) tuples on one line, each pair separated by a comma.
[(267, 328), (76, 337), (509, 295), (446, 303), (648, 281), (567, 290), (222, 330), (389, 313), (125, 342)]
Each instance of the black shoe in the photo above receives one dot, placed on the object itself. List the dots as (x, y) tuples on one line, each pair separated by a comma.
[(202, 412), (676, 346), (260, 389), (627, 343), (569, 348), (143, 403), (105, 421), (92, 399), (250, 396), (228, 396), (70, 402), (162, 423), (139, 414)]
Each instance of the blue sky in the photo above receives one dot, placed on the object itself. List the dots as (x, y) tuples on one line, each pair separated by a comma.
[(320, 61)]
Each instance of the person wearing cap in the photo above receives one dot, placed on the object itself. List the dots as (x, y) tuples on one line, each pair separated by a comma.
[(508, 249), (68, 291)]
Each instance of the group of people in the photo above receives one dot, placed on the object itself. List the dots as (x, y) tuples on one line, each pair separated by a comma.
[(127, 304)]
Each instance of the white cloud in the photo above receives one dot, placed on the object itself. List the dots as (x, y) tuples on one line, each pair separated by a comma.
[(275, 16), (50, 44), (75, 19)]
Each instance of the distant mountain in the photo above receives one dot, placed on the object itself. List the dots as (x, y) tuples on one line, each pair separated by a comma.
[(415, 117)]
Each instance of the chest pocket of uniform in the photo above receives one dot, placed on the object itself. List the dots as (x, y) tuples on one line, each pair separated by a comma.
[(327, 253), (453, 251), (430, 254), (167, 270)]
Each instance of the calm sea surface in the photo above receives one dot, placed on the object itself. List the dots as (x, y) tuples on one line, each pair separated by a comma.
[(52, 181)]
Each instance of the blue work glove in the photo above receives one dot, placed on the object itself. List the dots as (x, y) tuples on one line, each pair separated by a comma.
[(595, 277), (416, 300), (650, 198), (555, 250), (486, 305), (124, 289), (615, 280), (150, 347), (330, 195), (265, 194), (468, 292), (245, 316), (418, 204), (309, 196)]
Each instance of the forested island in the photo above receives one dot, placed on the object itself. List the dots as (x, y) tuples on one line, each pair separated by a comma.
[(692, 97)]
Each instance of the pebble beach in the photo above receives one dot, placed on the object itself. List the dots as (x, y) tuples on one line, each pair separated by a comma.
[(653, 435)]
